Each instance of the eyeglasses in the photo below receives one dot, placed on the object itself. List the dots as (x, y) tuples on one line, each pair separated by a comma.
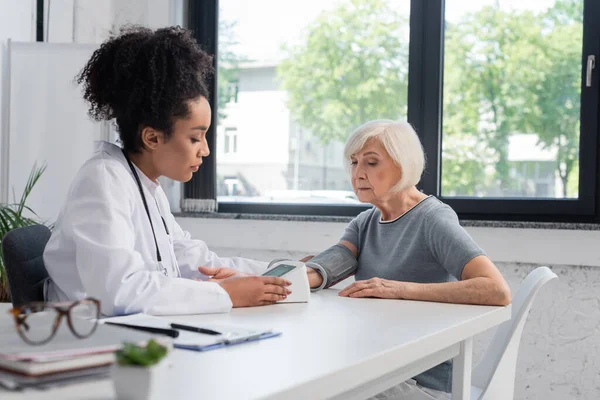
[(38, 322)]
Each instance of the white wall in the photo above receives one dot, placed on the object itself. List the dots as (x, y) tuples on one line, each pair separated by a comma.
[(66, 21), (17, 22), (85, 21), (43, 130)]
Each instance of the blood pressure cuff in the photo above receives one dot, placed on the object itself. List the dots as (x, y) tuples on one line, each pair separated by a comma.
[(334, 264)]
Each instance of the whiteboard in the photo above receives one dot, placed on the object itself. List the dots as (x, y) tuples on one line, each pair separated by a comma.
[(48, 121)]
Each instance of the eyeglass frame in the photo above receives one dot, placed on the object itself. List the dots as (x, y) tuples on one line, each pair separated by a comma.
[(62, 309)]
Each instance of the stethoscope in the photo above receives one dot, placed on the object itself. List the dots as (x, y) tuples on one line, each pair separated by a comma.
[(161, 267)]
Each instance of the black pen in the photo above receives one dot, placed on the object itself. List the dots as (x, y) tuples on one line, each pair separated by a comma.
[(162, 331), (194, 329)]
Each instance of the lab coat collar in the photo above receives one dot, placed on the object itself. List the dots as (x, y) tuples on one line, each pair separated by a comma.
[(116, 152)]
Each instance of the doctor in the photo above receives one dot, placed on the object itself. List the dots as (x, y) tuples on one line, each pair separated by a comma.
[(115, 238)]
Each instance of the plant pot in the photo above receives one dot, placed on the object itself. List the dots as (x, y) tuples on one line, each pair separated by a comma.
[(138, 382)]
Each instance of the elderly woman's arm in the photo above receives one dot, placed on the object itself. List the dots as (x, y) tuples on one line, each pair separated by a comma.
[(481, 283), (315, 279)]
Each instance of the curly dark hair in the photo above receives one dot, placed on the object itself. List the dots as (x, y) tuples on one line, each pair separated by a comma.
[(143, 77)]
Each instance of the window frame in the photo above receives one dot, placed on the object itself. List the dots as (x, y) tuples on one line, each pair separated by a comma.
[(425, 91)]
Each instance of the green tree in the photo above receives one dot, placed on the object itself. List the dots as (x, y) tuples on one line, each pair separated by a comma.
[(557, 117), (351, 67), (490, 59), (513, 72), (565, 12)]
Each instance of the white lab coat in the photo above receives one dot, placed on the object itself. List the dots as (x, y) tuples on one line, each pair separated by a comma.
[(102, 247)]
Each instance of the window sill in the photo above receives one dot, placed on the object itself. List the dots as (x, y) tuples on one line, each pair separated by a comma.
[(321, 218)]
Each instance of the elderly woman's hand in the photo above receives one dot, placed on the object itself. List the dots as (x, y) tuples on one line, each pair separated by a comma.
[(375, 287)]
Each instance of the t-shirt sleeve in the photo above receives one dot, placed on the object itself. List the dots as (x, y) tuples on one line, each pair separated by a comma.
[(449, 242), (352, 232)]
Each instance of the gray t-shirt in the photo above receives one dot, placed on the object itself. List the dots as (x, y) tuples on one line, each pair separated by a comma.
[(425, 245)]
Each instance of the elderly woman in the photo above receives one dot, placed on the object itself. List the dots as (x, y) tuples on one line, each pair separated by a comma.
[(408, 246)]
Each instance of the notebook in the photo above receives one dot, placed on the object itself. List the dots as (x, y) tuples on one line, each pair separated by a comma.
[(231, 335), (13, 381)]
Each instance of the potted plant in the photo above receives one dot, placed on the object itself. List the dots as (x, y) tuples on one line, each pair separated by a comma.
[(138, 373), (13, 216)]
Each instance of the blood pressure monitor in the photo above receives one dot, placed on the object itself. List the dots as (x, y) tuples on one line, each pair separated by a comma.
[(295, 272)]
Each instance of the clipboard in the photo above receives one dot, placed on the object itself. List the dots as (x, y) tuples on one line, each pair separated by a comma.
[(262, 336), (186, 340)]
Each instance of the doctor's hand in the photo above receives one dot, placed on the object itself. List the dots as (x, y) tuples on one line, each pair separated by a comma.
[(256, 290), (219, 274)]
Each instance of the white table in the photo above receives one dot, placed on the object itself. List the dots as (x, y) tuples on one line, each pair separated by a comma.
[(332, 347)]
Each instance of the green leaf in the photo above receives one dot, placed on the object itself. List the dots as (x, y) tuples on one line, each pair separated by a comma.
[(11, 217), (33, 178), (6, 222), (148, 355)]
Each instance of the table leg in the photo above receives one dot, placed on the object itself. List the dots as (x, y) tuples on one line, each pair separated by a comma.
[(461, 371)]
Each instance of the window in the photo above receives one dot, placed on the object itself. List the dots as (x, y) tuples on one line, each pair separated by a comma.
[(511, 96), (498, 95), (291, 152), (498, 91)]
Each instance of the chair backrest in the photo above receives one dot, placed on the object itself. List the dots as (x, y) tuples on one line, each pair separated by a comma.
[(495, 373), (22, 251)]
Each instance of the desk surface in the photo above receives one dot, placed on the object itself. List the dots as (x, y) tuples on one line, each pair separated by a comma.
[(329, 346)]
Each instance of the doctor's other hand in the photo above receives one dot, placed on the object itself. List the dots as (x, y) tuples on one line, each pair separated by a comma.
[(217, 274), (256, 290)]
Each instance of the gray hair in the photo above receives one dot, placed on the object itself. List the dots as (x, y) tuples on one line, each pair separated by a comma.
[(400, 141)]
